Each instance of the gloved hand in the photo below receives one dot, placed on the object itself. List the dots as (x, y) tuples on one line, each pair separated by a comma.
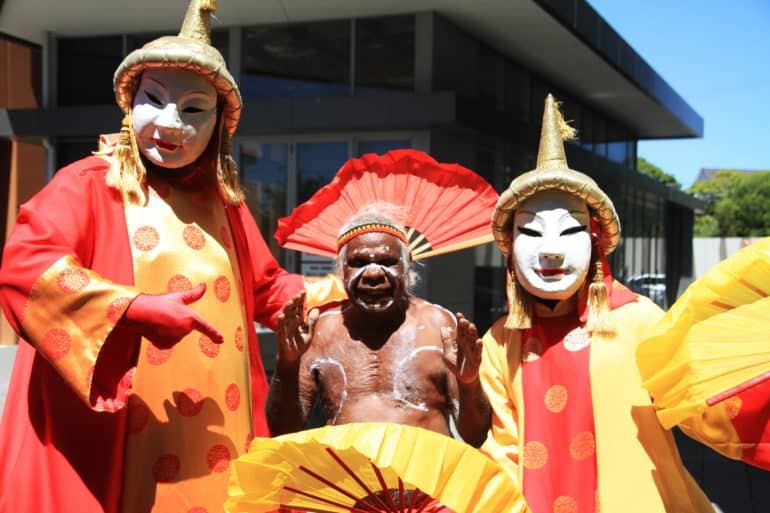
[(165, 318)]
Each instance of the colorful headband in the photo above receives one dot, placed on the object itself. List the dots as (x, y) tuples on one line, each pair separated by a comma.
[(369, 228)]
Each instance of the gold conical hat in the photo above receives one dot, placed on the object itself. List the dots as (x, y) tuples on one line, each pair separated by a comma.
[(553, 173), (191, 50)]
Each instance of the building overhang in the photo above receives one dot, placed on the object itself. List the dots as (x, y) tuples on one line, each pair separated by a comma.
[(566, 42)]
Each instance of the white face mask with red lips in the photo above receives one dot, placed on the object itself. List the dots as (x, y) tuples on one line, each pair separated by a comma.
[(552, 244), (174, 115)]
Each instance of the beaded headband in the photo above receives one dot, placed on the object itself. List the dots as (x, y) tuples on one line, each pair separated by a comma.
[(369, 228)]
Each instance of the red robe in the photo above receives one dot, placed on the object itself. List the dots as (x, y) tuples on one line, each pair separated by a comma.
[(63, 431)]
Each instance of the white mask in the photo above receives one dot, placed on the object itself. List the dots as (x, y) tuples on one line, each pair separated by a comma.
[(551, 244), (174, 115)]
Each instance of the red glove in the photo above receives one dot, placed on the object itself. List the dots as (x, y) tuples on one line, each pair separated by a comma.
[(165, 318)]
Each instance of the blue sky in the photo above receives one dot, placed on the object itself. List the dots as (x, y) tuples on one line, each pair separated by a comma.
[(716, 55)]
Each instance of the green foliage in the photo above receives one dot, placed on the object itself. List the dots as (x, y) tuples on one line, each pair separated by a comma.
[(650, 169), (737, 205), (705, 226), (712, 190)]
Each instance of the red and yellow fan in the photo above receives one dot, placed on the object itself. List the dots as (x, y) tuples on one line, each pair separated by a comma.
[(714, 342), (369, 468), (446, 207)]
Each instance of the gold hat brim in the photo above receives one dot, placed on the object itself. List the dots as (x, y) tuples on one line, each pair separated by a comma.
[(175, 52), (573, 182)]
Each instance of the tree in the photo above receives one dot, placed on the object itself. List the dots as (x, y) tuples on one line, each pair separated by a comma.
[(650, 169), (745, 209), (737, 204)]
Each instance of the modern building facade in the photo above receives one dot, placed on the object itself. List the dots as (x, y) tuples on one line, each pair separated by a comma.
[(461, 80)]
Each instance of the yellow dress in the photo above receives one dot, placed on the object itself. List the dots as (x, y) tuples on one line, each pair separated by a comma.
[(638, 467)]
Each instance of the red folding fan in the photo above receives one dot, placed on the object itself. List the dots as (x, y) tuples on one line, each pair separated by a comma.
[(446, 207)]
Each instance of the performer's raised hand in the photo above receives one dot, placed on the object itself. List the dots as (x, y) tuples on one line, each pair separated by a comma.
[(293, 334), (462, 350), (165, 318)]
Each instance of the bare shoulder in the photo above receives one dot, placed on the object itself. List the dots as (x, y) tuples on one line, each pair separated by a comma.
[(436, 314)]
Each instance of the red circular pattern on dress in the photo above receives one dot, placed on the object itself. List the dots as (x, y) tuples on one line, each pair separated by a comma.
[(208, 347), (535, 455), (222, 288), (189, 402), (218, 458), (72, 280), (565, 504), (733, 406), (156, 355), (582, 446), (116, 308), (224, 234), (138, 415), (197, 509), (166, 468), (194, 237), (556, 398), (57, 343), (239, 338), (146, 238), (179, 283), (233, 397)]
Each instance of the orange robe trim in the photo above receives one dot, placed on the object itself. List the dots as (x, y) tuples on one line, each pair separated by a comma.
[(70, 313)]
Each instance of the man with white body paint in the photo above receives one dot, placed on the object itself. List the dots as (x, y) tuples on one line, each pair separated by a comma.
[(384, 354), (570, 420)]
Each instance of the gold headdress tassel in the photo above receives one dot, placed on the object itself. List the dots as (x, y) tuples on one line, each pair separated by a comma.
[(228, 172), (127, 173), (599, 322), (519, 304)]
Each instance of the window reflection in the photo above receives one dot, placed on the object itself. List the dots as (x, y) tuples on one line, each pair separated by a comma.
[(380, 146), (85, 69), (301, 60), (264, 170), (384, 54)]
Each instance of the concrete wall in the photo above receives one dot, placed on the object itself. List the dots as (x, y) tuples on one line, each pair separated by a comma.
[(709, 251), (7, 354)]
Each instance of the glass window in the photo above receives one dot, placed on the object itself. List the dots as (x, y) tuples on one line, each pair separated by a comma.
[(85, 69), (219, 39), (300, 60), (317, 163), (616, 143), (384, 54), (600, 135), (71, 149), (380, 146), (517, 90), (463, 64), (264, 169)]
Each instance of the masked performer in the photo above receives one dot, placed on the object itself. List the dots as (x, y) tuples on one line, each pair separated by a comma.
[(134, 279), (570, 419), (383, 356)]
